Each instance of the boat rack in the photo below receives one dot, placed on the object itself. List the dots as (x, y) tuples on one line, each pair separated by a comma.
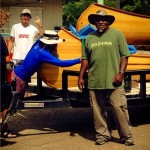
[(76, 98), (128, 74)]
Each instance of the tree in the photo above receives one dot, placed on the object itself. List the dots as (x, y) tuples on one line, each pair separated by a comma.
[(72, 9), (136, 6)]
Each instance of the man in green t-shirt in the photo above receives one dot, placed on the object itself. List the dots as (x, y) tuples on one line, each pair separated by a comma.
[(105, 56)]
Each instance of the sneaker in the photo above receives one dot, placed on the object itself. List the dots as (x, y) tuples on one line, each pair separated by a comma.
[(101, 141), (129, 142)]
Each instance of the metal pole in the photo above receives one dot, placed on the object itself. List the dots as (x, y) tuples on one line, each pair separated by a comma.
[(100, 2), (118, 4)]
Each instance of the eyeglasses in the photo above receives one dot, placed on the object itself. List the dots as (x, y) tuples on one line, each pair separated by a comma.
[(26, 14), (98, 19)]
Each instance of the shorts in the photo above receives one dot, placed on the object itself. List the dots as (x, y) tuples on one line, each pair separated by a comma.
[(21, 85)]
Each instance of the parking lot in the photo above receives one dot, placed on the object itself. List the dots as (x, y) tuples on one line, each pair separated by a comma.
[(66, 128)]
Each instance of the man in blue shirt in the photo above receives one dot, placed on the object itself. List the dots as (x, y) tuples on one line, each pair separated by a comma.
[(43, 51)]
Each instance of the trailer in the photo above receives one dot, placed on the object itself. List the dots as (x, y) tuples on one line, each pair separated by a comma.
[(45, 96)]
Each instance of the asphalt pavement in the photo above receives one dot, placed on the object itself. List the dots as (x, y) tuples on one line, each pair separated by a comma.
[(66, 128)]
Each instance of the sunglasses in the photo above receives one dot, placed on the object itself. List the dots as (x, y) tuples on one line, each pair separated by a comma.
[(26, 15), (98, 19)]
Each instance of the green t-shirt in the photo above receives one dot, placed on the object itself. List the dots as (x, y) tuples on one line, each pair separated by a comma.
[(104, 53)]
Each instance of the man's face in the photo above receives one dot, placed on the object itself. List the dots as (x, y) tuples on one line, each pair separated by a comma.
[(25, 18), (101, 24)]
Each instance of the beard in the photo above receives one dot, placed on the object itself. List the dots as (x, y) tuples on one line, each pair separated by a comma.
[(101, 30), (102, 27)]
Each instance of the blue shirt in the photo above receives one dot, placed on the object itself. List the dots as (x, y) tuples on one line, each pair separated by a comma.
[(35, 57)]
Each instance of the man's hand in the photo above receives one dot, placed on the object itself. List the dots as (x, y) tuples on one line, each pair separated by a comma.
[(38, 21), (117, 81), (81, 84)]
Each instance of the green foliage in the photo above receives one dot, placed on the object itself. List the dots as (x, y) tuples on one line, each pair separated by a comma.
[(110, 3), (137, 6), (72, 9)]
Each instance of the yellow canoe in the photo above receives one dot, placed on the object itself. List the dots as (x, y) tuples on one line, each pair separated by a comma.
[(135, 27), (69, 49)]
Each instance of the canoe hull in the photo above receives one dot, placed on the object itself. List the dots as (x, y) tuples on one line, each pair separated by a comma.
[(69, 49), (130, 24)]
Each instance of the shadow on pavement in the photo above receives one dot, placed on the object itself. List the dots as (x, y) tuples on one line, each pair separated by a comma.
[(6, 143), (30, 122)]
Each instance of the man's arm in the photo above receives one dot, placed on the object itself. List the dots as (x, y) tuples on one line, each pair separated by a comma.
[(10, 44), (41, 30), (40, 26), (123, 64)]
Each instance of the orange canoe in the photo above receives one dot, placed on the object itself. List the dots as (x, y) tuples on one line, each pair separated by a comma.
[(135, 27), (69, 49)]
